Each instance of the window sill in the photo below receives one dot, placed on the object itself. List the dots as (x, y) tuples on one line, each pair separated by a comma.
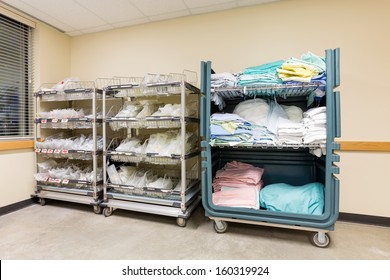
[(16, 145)]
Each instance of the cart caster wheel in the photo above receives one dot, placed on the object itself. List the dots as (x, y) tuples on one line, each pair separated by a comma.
[(320, 241), (220, 226), (42, 201), (97, 209), (181, 222), (107, 212)]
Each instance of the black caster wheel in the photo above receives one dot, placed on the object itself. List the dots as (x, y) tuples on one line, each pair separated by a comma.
[(220, 226), (42, 201), (107, 212), (320, 241), (97, 209), (181, 222)]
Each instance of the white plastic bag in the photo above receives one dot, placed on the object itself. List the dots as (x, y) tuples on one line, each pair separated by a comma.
[(113, 174)]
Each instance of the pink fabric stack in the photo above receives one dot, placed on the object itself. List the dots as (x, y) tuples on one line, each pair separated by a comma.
[(238, 185)]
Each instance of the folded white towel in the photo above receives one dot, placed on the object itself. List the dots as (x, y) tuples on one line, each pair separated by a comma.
[(314, 111), (285, 123)]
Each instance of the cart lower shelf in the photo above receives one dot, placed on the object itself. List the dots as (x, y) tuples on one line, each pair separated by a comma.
[(69, 197), (144, 207)]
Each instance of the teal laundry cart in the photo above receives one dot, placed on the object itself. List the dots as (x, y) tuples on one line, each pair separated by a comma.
[(290, 163)]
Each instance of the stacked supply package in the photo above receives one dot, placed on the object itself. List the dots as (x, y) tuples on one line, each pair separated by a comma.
[(151, 144), (67, 145)]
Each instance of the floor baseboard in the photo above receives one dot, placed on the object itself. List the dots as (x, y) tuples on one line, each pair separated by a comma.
[(16, 206), (365, 219)]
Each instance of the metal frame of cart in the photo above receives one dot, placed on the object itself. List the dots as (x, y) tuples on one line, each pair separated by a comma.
[(83, 192), (179, 205)]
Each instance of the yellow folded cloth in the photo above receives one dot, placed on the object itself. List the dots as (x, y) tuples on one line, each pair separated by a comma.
[(230, 126), (297, 71)]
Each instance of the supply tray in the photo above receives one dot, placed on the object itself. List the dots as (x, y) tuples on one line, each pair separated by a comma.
[(125, 90), (71, 90), (153, 192), (150, 89), (149, 85), (161, 88), (274, 90), (71, 123), (148, 122), (162, 84), (148, 158), (65, 183), (120, 86), (68, 154)]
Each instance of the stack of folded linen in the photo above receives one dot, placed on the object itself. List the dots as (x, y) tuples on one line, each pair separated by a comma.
[(230, 129), (262, 136), (238, 184), (306, 69), (264, 74), (223, 80), (291, 130), (315, 126)]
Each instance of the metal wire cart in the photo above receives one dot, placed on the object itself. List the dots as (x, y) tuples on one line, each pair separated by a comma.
[(138, 174), (67, 147), (283, 163)]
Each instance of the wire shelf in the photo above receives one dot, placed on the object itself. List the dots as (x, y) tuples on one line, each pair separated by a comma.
[(67, 154), (149, 85), (275, 90), (72, 123), (70, 90), (271, 146), (149, 158), (125, 157), (71, 184), (148, 122), (173, 174), (153, 192)]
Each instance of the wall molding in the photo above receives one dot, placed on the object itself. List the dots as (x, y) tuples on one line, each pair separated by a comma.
[(15, 145), (16, 206), (363, 146), (346, 217), (365, 219)]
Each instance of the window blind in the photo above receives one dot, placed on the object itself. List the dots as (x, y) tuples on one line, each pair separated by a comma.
[(16, 84)]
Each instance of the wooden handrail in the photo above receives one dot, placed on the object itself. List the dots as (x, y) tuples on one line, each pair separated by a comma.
[(17, 144), (364, 146)]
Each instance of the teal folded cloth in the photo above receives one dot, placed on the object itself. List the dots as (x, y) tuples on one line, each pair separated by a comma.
[(259, 79), (281, 197), (264, 68)]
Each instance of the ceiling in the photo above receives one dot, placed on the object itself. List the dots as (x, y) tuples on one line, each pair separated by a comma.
[(77, 17)]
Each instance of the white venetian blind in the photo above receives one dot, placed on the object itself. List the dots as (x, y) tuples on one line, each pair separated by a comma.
[(16, 96)]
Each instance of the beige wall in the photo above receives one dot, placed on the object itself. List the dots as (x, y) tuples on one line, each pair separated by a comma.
[(365, 187), (235, 39), (17, 182), (52, 52), (52, 63), (249, 36)]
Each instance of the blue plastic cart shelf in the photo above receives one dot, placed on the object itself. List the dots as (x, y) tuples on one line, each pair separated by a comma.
[(294, 165)]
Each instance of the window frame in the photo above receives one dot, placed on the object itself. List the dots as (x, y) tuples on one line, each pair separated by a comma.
[(22, 139)]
